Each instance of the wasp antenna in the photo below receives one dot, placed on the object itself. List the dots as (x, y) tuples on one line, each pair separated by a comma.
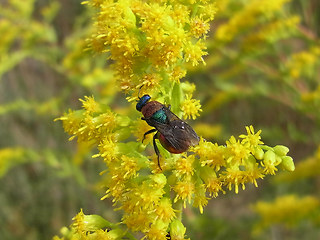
[(139, 91)]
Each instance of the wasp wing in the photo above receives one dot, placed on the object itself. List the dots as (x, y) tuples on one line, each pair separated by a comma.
[(170, 115), (177, 132)]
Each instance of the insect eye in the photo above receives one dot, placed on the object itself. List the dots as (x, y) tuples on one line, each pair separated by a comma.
[(139, 106)]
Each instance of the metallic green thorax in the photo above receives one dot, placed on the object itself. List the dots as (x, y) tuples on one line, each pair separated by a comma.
[(160, 116)]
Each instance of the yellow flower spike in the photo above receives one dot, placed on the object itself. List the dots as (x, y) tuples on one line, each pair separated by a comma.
[(151, 44), (191, 107), (91, 124), (271, 32), (158, 36)]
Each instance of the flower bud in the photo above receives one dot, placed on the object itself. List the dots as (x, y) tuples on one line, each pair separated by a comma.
[(115, 234), (168, 23), (177, 230), (287, 163), (269, 157), (159, 179), (278, 160), (250, 162), (258, 153), (281, 150), (94, 222), (207, 173), (83, 222), (129, 16)]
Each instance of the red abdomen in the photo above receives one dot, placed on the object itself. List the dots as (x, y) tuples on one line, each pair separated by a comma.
[(165, 143)]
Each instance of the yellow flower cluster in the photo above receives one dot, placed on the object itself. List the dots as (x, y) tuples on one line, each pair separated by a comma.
[(237, 163), (191, 107), (151, 41), (303, 63), (250, 15), (288, 210), (271, 32), (10, 157), (141, 196), (150, 199), (91, 124)]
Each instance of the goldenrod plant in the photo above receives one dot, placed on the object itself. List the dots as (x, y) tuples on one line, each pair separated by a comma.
[(150, 45), (242, 74)]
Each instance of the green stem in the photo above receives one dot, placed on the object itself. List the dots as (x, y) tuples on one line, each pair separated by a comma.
[(178, 206)]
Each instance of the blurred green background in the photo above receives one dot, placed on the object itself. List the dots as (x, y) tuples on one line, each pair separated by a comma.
[(262, 70)]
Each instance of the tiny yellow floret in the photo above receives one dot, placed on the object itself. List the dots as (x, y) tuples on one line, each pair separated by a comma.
[(191, 107)]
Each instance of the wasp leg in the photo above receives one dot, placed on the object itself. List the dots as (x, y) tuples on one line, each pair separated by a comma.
[(146, 133), (156, 149), (168, 237)]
